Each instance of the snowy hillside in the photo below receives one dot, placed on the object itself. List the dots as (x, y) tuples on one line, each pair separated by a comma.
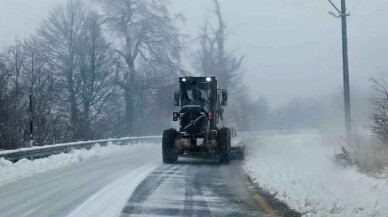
[(300, 170)]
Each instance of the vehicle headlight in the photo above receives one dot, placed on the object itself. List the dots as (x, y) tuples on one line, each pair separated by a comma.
[(208, 79)]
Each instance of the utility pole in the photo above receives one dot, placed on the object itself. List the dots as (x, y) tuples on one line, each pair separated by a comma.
[(31, 108), (31, 122), (348, 122)]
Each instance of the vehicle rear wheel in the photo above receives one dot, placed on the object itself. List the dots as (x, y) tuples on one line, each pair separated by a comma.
[(224, 145), (169, 153)]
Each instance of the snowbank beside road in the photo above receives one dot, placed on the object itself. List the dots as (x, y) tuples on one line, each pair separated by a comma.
[(301, 171), (11, 171), (115, 194)]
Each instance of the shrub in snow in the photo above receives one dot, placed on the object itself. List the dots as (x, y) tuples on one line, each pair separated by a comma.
[(345, 158), (367, 153), (380, 108)]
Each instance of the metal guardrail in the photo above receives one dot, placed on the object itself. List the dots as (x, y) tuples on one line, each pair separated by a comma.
[(47, 150)]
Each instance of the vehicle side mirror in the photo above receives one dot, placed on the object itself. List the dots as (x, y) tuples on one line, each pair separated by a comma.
[(177, 95), (224, 97)]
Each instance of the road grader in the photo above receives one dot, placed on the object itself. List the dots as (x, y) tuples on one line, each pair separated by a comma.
[(201, 123)]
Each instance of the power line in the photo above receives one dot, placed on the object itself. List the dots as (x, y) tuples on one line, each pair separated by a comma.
[(355, 6)]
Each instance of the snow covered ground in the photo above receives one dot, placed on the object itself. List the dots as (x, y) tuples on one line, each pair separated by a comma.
[(12, 171), (300, 170), (115, 194), (97, 182)]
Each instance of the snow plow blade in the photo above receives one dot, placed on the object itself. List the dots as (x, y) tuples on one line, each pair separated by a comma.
[(237, 153)]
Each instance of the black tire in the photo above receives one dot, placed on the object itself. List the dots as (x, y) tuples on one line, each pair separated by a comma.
[(224, 145), (169, 154)]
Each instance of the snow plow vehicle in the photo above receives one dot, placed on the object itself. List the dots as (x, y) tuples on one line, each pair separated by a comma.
[(201, 131)]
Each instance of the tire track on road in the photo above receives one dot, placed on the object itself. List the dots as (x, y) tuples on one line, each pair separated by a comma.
[(147, 188), (195, 188), (193, 191)]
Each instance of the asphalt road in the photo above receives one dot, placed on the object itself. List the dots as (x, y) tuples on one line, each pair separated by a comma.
[(191, 187)]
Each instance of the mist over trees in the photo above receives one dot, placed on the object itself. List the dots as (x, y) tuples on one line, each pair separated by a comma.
[(214, 58), (81, 65), (150, 48), (379, 103), (112, 72), (91, 75)]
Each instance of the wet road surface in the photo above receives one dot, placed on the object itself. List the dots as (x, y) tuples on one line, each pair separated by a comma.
[(194, 187)]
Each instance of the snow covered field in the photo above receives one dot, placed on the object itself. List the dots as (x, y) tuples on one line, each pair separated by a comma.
[(12, 171), (300, 170)]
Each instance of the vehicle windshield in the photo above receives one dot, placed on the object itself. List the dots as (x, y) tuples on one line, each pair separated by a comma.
[(196, 94)]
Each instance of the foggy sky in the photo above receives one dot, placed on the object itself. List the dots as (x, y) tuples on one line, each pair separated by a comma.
[(292, 47)]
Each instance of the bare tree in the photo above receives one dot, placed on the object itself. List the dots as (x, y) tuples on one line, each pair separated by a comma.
[(4, 110), (49, 125), (13, 118), (149, 45), (212, 58), (380, 108), (70, 70), (95, 79), (81, 61), (58, 35)]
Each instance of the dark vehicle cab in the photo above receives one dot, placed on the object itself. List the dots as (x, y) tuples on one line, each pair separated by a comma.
[(197, 98)]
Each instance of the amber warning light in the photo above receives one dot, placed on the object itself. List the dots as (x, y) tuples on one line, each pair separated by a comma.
[(210, 115)]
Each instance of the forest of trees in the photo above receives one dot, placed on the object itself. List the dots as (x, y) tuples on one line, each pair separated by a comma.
[(107, 73), (111, 72)]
